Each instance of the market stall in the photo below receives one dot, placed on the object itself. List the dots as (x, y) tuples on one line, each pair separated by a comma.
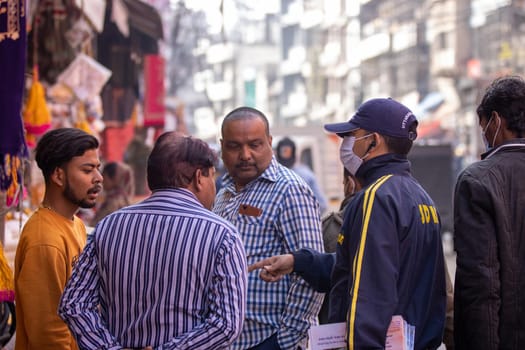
[(79, 65), (13, 149)]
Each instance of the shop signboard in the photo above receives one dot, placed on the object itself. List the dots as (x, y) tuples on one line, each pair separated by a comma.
[(154, 91)]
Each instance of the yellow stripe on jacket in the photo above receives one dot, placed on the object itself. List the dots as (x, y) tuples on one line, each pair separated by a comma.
[(358, 258)]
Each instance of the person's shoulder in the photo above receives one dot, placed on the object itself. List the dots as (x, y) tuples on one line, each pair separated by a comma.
[(332, 222), (218, 221), (39, 221), (304, 170), (476, 171), (336, 216), (42, 230), (223, 230), (290, 177), (386, 189), (386, 182), (331, 228)]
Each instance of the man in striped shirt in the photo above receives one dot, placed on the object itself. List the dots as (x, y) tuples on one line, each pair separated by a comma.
[(164, 273), (275, 212)]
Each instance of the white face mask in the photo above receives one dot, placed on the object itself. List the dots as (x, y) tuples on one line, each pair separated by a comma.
[(350, 160), (489, 146)]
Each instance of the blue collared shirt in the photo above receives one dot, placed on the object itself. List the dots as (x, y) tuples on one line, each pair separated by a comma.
[(275, 214), (308, 175), (164, 273)]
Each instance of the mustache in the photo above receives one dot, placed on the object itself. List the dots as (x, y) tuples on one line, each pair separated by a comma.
[(244, 164), (95, 189)]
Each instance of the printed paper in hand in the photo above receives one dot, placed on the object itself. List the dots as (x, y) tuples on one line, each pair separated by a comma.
[(400, 335), (328, 336)]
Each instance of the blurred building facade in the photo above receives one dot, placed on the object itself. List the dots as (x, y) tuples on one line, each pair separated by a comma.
[(314, 61)]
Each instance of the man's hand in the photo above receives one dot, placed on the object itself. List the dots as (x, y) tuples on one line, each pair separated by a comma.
[(274, 268)]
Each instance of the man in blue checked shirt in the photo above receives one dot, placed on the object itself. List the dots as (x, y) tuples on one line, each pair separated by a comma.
[(275, 212), (165, 273)]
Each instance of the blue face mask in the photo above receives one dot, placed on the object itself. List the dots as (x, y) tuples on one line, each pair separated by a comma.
[(489, 146)]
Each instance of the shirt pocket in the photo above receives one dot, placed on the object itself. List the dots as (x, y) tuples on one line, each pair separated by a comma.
[(260, 237)]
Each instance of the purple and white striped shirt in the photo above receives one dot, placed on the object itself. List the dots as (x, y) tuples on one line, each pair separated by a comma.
[(165, 272)]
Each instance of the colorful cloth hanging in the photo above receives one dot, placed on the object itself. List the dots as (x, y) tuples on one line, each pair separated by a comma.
[(7, 285), (13, 147), (37, 119)]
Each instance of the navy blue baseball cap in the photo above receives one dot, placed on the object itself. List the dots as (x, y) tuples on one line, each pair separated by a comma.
[(382, 115)]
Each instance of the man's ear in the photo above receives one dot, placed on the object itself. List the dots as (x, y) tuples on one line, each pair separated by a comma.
[(379, 145), (504, 133), (375, 143), (503, 121), (58, 177), (197, 180)]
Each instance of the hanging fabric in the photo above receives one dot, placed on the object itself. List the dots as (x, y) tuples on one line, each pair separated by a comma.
[(53, 19), (81, 120), (7, 285), (13, 148), (37, 119)]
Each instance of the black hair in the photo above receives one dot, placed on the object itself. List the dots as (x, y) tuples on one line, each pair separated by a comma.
[(245, 112), (110, 169), (505, 95), (175, 158), (286, 161), (401, 145), (57, 147)]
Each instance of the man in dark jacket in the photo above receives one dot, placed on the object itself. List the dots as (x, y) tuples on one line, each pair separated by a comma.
[(489, 227), (390, 258)]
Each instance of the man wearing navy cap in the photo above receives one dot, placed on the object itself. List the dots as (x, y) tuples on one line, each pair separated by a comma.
[(389, 259)]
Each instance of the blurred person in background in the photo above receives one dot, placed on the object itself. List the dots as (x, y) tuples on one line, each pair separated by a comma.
[(489, 227), (165, 272), (331, 223), (286, 155), (118, 187), (136, 155), (275, 211), (53, 237)]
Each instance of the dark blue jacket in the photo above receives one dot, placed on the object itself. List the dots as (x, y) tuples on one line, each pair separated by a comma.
[(389, 260)]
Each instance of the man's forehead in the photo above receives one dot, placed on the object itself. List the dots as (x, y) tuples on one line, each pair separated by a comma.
[(243, 138), (88, 158), (244, 134), (252, 122)]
